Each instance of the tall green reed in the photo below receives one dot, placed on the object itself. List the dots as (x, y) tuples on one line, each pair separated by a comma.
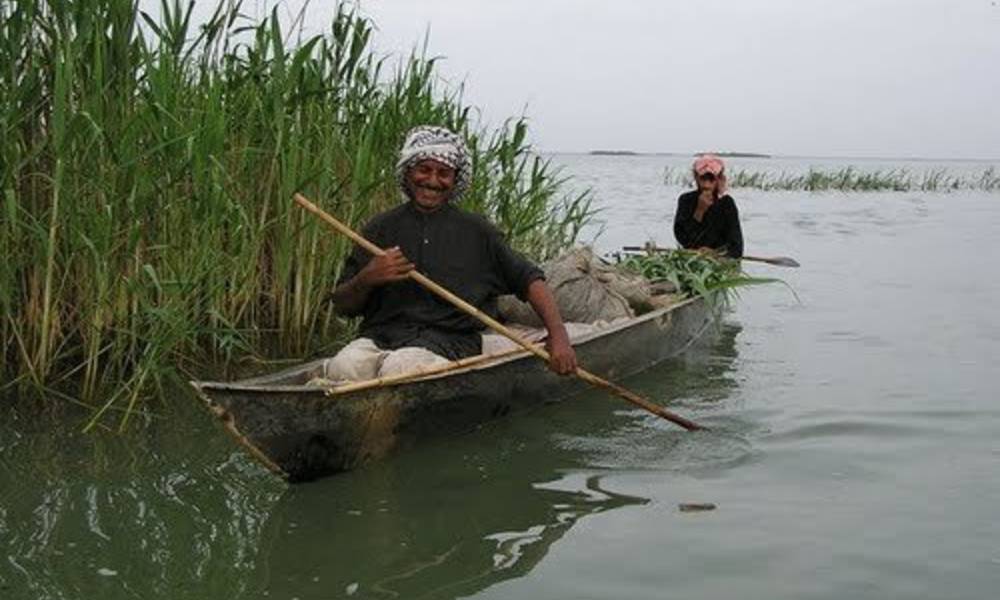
[(146, 222)]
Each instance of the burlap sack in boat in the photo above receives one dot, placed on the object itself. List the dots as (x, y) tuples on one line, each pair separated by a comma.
[(586, 290)]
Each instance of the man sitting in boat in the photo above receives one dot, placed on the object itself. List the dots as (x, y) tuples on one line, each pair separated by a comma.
[(707, 218), (405, 327)]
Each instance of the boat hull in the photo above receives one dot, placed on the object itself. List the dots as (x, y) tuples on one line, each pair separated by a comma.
[(301, 434)]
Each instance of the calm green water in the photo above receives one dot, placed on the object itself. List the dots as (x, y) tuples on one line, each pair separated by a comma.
[(855, 451)]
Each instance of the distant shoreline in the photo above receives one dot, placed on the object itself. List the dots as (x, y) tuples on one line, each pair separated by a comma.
[(927, 159), (634, 153), (737, 154)]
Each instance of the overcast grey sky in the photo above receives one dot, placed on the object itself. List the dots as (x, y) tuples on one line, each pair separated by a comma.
[(813, 77)]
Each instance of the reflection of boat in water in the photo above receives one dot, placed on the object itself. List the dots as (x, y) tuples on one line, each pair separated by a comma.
[(430, 524), (457, 517), (301, 434)]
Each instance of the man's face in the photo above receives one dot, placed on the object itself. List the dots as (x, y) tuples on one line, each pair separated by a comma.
[(708, 182), (431, 184)]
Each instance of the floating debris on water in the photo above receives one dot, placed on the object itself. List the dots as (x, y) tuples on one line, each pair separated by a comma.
[(105, 572), (696, 506), (351, 589)]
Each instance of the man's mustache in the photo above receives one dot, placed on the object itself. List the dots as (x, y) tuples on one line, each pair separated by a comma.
[(432, 188)]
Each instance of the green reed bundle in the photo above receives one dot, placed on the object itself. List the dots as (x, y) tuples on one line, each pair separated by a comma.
[(693, 273)]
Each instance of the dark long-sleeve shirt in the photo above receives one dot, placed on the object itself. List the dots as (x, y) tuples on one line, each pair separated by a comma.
[(461, 251), (719, 227)]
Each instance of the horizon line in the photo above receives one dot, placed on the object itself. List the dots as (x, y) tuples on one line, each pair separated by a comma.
[(765, 156)]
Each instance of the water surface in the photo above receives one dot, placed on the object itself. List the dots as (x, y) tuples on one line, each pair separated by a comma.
[(854, 452)]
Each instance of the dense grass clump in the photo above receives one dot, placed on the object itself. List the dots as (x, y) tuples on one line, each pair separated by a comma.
[(851, 179), (146, 178)]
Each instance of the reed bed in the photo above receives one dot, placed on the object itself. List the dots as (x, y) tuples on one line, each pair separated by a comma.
[(851, 179), (146, 176)]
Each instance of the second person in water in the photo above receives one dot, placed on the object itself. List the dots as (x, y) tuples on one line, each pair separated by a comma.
[(707, 218)]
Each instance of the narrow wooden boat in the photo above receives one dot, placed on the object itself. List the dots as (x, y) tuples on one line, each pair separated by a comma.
[(300, 433)]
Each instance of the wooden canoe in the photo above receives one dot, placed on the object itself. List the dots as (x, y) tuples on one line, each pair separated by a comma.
[(300, 433)]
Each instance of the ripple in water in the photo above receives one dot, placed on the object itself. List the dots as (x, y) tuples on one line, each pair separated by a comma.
[(645, 447)]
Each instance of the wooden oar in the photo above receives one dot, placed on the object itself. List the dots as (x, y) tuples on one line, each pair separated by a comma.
[(778, 261), (495, 325)]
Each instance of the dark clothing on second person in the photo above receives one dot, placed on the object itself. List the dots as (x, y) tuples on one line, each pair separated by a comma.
[(719, 227), (459, 250)]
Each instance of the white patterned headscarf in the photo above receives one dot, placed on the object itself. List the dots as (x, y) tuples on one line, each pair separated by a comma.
[(435, 143)]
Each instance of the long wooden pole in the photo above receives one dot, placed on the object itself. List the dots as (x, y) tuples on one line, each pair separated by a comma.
[(495, 325), (778, 261)]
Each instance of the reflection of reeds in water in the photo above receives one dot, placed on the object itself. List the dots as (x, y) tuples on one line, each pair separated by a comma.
[(851, 179), (146, 176), (158, 513)]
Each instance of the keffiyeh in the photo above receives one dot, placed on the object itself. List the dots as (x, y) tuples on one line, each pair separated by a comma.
[(710, 163), (435, 143)]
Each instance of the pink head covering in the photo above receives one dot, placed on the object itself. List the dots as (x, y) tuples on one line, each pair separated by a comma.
[(710, 163)]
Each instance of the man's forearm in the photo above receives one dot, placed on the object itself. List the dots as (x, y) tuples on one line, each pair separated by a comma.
[(541, 299), (562, 358), (350, 297)]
